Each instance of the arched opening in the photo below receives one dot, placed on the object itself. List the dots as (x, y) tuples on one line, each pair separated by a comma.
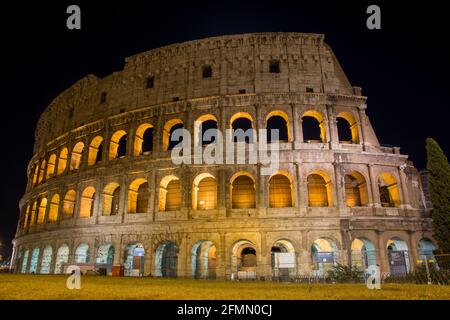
[(95, 151), (111, 199), (82, 253), (34, 260), (278, 120), (24, 262), (26, 218), (363, 254), (170, 194), (242, 127), (46, 262), (35, 173), (244, 260), (42, 171), (69, 204), (284, 260), (105, 257), (87, 202), (62, 160), (281, 193), (243, 194), (75, 158), (398, 256), (41, 211), (169, 128), (313, 127), (324, 255), (388, 188), (201, 126), (203, 260), (204, 192), (33, 213), (62, 257), (143, 140), (51, 166), (166, 260), (134, 260), (118, 145), (356, 194), (426, 253), (319, 190), (138, 196), (347, 128), (54, 209)]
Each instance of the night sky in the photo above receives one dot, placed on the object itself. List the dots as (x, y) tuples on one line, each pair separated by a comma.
[(403, 68)]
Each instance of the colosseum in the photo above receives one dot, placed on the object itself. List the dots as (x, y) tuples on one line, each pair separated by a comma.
[(103, 192)]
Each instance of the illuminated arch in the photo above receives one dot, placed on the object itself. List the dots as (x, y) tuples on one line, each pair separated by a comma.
[(349, 124), (398, 247), (46, 262), (42, 171), (170, 193), (75, 159), (284, 128), (281, 191), (51, 166), (87, 202), (204, 192), (54, 209), (203, 260), (82, 253), (69, 204), (62, 257), (95, 150), (389, 191), (138, 196), (111, 199), (235, 127), (325, 254), (41, 211), (356, 194), (320, 190), (363, 253), (243, 191), (198, 128), (280, 268), (143, 139), (318, 116), (167, 133), (118, 145), (35, 173), (244, 258), (27, 217), (33, 213), (62, 160)]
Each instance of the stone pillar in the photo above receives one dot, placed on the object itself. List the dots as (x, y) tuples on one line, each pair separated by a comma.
[(374, 187), (297, 134), (413, 250), (362, 125), (332, 134), (339, 187), (382, 257), (405, 201)]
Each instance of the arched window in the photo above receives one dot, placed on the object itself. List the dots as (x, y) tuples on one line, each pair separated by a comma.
[(62, 160), (82, 253), (95, 151), (169, 128), (280, 192), (54, 208), (278, 120), (42, 171), (62, 257), (34, 260), (33, 213), (347, 128), (203, 124), (69, 204), (41, 211), (118, 145), (313, 127), (388, 188), (87, 202), (36, 173), (355, 190), (143, 140), (26, 218), (243, 193), (170, 194), (319, 190), (46, 262), (242, 127), (111, 199), (76, 156), (51, 166), (204, 193), (138, 195)]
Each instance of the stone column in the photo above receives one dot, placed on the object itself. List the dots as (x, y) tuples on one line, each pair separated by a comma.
[(374, 187), (405, 201), (413, 250), (382, 257), (362, 125), (332, 134)]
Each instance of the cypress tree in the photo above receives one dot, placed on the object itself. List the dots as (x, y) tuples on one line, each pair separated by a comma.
[(439, 185)]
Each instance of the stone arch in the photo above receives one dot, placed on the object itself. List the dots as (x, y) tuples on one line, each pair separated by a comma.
[(325, 254), (95, 151), (51, 166), (34, 209), (82, 253), (76, 156), (134, 256), (62, 160), (138, 196), (42, 210), (143, 139), (203, 123), (111, 199), (398, 256), (313, 127), (69, 203), (278, 119), (243, 191), (34, 260), (389, 190), (426, 249), (242, 125), (27, 217), (204, 192), (281, 190), (87, 202), (23, 268), (203, 260), (54, 208), (166, 260), (320, 189), (168, 130), (42, 171), (46, 261), (356, 193), (62, 257), (363, 253), (170, 193), (118, 145), (286, 266), (244, 259), (347, 128), (35, 173)]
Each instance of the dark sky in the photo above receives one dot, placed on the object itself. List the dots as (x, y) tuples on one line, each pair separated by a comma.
[(403, 68)]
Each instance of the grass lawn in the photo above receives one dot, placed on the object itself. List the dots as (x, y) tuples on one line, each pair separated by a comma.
[(14, 286)]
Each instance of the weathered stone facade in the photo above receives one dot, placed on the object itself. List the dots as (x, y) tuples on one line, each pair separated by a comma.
[(251, 76)]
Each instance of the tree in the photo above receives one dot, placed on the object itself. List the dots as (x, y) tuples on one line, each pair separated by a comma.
[(439, 185)]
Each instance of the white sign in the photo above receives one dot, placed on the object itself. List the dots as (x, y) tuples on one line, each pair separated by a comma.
[(284, 260)]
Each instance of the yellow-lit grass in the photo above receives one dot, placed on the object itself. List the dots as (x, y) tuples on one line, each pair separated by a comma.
[(93, 287)]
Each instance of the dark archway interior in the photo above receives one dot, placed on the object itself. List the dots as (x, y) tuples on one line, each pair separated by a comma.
[(122, 148), (244, 124), (277, 123), (147, 143), (172, 143), (207, 125), (344, 131), (311, 129)]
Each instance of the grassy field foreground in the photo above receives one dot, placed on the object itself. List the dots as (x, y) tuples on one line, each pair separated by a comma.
[(14, 286)]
